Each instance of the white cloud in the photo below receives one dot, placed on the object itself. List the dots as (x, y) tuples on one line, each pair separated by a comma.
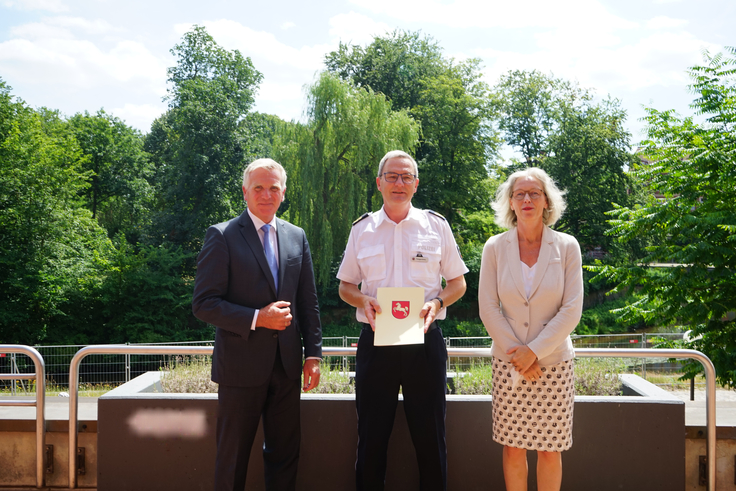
[(663, 22), (282, 98), (62, 27), (50, 50), (659, 59), (260, 44), (287, 25), (96, 26), (40, 30), (498, 13), (139, 115), (49, 5), (356, 28)]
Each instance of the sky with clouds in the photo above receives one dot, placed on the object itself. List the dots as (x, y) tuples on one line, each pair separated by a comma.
[(77, 55)]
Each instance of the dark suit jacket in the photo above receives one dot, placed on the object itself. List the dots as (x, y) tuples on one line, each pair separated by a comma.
[(233, 280)]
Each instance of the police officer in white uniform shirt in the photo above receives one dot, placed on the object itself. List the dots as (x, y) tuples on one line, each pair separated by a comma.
[(401, 246)]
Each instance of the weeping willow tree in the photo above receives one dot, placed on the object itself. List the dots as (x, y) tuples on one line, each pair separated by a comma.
[(332, 161)]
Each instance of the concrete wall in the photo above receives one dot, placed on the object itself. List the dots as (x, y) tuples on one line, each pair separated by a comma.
[(725, 458), (18, 453), (149, 441)]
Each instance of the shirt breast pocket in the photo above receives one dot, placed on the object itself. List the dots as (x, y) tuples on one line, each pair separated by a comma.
[(372, 262), (425, 259)]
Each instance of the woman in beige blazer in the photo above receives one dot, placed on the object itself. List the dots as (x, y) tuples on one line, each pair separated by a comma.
[(531, 297)]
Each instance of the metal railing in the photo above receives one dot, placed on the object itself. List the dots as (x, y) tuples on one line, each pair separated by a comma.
[(110, 349), (112, 370), (39, 376), (710, 377)]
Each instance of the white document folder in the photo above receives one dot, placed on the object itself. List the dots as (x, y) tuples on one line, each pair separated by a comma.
[(399, 322)]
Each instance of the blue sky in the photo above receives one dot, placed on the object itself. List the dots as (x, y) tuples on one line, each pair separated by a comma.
[(76, 55)]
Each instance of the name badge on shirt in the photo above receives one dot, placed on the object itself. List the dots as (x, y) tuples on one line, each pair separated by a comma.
[(419, 258)]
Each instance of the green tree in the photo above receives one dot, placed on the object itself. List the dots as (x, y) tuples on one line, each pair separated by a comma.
[(394, 65), (119, 192), (332, 162), (197, 146), (447, 98), (48, 242), (458, 141), (580, 142), (693, 228), (526, 110), (589, 157), (260, 130)]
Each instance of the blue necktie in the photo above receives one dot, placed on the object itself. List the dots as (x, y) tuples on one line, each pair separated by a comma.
[(270, 256)]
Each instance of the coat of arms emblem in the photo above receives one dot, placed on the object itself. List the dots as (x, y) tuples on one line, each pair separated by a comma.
[(400, 309)]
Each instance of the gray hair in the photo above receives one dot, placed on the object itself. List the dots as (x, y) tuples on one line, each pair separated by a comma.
[(397, 154), (268, 164), (505, 214)]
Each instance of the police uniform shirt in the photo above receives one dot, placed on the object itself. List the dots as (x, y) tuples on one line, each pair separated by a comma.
[(418, 251)]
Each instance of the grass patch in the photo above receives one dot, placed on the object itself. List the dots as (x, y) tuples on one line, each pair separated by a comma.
[(475, 381), (598, 376), (85, 390), (672, 381), (188, 375), (191, 375), (593, 377)]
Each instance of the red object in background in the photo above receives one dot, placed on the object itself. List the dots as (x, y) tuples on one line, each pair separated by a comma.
[(633, 341), (2, 355), (353, 345)]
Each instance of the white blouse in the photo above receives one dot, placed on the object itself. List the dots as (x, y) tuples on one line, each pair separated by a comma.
[(528, 274)]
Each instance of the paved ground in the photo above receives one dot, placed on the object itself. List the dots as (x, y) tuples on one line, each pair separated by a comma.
[(57, 408), (695, 410)]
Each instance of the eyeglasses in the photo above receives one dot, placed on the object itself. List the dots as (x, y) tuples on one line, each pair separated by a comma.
[(393, 177), (533, 195)]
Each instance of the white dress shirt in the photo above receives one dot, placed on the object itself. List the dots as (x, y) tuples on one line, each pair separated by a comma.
[(273, 240), (418, 251)]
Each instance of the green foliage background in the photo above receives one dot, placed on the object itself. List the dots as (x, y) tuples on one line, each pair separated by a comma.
[(100, 224)]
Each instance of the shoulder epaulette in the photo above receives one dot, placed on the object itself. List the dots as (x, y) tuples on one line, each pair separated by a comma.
[(436, 214), (362, 217)]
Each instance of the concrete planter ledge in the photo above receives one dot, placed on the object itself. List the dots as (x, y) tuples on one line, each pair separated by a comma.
[(148, 440)]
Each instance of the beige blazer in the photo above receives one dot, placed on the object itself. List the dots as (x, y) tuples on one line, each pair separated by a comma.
[(544, 321)]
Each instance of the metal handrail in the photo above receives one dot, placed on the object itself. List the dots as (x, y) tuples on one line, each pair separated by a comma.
[(40, 404), (109, 349), (710, 379)]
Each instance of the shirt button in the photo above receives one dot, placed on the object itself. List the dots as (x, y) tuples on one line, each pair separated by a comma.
[(275, 336), (526, 304), (526, 324)]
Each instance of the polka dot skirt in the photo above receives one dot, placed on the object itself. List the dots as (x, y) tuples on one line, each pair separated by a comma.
[(534, 415)]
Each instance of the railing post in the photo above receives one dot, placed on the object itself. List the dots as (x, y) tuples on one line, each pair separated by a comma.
[(127, 365), (40, 376), (74, 384), (448, 344), (644, 360), (13, 369), (345, 366)]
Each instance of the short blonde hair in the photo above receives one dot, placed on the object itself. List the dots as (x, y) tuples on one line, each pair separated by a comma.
[(505, 214), (268, 164)]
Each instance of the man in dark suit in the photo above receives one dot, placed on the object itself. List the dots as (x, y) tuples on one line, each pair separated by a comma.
[(255, 284)]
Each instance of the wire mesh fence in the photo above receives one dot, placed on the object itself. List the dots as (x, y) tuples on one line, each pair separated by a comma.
[(656, 370), (458, 364), (340, 363), (113, 370), (96, 370)]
